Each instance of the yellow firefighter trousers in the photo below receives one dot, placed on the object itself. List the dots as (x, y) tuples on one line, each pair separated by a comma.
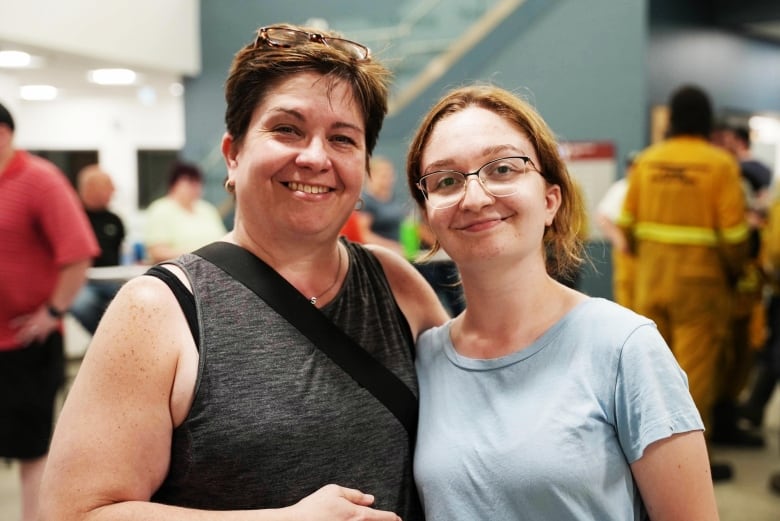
[(691, 305)]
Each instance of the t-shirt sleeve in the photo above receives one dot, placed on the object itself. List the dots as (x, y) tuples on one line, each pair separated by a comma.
[(64, 221), (652, 399)]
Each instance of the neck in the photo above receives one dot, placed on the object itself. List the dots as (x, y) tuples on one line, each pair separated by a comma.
[(5, 158), (509, 309), (314, 269), (499, 294), (314, 298)]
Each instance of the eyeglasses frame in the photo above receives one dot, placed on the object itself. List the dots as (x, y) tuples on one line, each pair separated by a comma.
[(526, 160), (262, 36)]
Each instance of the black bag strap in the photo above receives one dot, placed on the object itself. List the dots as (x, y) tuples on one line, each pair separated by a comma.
[(274, 289)]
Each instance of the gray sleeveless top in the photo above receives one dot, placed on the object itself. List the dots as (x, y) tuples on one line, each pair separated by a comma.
[(273, 418)]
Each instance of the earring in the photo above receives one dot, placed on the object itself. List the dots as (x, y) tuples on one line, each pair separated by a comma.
[(360, 204), (230, 186)]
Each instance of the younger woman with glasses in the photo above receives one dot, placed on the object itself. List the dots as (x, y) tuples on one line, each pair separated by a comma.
[(215, 406), (537, 402)]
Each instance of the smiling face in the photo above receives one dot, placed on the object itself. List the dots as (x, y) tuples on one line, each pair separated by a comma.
[(300, 167), (482, 226)]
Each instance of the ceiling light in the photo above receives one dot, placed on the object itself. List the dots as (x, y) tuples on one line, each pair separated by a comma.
[(37, 92), (15, 59), (112, 76), (147, 95)]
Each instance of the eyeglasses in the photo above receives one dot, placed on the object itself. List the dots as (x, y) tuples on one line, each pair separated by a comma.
[(288, 38), (499, 178)]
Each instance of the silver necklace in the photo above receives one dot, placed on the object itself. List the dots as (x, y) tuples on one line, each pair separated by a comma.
[(313, 300)]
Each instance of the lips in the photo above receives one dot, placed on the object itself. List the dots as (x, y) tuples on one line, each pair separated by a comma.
[(309, 189), (481, 224)]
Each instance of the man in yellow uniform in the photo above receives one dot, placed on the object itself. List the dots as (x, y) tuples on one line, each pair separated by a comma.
[(684, 215)]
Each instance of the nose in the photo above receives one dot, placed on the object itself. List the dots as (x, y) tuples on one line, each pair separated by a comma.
[(475, 195), (314, 156)]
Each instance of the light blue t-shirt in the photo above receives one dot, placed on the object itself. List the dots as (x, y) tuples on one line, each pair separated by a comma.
[(547, 433)]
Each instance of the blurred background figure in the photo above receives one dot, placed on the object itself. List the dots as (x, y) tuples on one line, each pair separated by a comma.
[(747, 331), (46, 247), (96, 189), (756, 175), (768, 363), (440, 271), (764, 218), (181, 221), (382, 213), (684, 216), (607, 215), (353, 228)]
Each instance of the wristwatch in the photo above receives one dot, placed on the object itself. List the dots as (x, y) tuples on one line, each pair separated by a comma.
[(54, 312)]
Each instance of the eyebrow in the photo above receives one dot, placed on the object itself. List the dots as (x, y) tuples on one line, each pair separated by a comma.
[(300, 117), (492, 150)]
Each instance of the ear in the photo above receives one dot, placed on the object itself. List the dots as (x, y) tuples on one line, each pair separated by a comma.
[(552, 198), (229, 152)]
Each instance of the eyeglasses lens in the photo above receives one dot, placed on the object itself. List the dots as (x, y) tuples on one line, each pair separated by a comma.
[(353, 49), (498, 178), (285, 37)]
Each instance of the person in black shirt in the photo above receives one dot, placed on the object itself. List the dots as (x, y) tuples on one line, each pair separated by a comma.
[(95, 189)]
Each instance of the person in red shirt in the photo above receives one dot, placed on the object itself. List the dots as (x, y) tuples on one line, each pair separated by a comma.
[(47, 245)]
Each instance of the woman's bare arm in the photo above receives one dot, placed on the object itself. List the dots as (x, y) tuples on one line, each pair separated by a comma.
[(674, 479)]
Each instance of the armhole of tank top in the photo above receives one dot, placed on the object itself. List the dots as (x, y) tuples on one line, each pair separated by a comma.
[(377, 265), (183, 296)]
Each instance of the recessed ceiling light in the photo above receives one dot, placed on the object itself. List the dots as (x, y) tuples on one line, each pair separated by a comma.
[(112, 76), (15, 59), (147, 95), (37, 92)]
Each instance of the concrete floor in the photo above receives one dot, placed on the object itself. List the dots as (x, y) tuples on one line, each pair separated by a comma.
[(745, 498)]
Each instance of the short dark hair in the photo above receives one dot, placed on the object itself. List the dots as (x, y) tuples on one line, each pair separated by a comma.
[(690, 112), (5, 117), (258, 68), (183, 170)]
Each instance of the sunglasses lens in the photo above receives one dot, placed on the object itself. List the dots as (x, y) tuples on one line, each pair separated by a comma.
[(351, 48), (285, 37)]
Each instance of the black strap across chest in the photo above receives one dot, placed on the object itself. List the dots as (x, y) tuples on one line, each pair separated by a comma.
[(280, 295)]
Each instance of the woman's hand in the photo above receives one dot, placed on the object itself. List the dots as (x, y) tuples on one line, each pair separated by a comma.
[(335, 503)]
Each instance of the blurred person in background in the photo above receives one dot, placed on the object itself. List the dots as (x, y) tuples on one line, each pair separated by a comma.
[(748, 330), (46, 247), (96, 189), (607, 215), (381, 214), (181, 221), (684, 216), (769, 364)]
